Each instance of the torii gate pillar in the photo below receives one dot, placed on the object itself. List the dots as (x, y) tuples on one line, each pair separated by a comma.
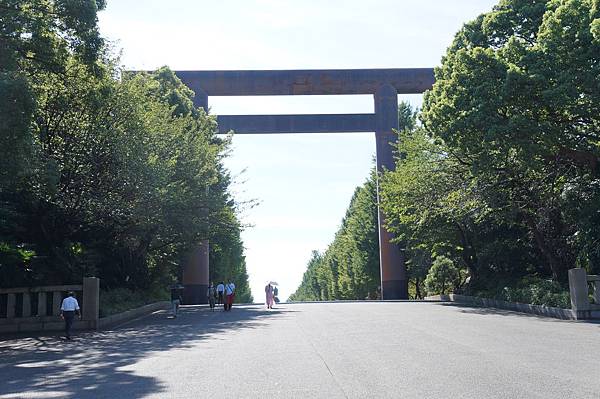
[(394, 284), (196, 275)]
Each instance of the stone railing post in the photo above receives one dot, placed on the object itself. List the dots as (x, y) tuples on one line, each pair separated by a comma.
[(26, 304), (41, 304), (578, 288), (57, 298), (11, 303), (91, 301), (595, 280)]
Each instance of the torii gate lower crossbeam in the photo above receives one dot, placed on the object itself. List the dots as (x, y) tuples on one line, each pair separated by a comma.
[(383, 84)]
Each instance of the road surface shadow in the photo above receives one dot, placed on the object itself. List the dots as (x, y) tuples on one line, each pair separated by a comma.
[(481, 310), (92, 365)]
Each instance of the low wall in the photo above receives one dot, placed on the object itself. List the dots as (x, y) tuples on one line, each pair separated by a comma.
[(546, 311), (48, 323), (54, 323), (110, 321), (28, 309)]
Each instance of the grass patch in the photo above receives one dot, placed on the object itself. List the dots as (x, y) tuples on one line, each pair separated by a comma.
[(122, 299)]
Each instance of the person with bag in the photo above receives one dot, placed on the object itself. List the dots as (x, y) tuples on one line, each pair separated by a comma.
[(211, 293), (269, 294), (229, 295)]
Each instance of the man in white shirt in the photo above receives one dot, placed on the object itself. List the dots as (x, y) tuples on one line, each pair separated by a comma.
[(229, 295), (220, 293), (68, 309)]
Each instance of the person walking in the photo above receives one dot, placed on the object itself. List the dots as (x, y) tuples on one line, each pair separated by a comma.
[(275, 293), (68, 309), (220, 291), (229, 295), (175, 300), (211, 293), (269, 294)]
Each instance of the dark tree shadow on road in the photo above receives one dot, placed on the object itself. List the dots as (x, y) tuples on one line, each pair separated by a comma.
[(486, 311), (94, 364)]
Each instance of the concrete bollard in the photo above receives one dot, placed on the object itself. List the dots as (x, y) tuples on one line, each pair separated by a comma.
[(578, 288)]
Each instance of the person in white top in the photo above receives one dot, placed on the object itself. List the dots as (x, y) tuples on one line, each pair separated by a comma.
[(229, 295), (68, 309), (220, 291)]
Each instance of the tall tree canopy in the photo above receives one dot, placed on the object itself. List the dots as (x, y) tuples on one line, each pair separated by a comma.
[(501, 177), (102, 172), (503, 174)]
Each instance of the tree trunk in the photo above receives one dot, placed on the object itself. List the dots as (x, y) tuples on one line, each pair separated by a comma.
[(547, 252), (468, 254)]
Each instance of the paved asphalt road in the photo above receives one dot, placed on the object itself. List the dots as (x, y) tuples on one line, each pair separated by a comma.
[(335, 350)]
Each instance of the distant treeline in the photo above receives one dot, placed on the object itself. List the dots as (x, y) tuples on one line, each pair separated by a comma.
[(349, 268), (103, 172), (500, 179)]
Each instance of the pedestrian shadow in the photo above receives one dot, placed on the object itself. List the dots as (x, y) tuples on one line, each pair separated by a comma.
[(97, 364)]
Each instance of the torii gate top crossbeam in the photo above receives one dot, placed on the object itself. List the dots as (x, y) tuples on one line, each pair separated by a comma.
[(307, 81)]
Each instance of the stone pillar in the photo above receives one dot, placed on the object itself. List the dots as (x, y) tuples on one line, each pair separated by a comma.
[(578, 288), (91, 301), (11, 303), (26, 304), (57, 297), (394, 283), (195, 276), (41, 304)]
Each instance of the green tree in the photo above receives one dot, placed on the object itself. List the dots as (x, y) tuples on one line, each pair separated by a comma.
[(310, 288), (349, 268), (116, 177), (517, 101), (443, 276)]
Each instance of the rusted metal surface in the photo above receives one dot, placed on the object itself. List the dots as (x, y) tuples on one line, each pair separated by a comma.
[(311, 123), (195, 275), (307, 82), (394, 284)]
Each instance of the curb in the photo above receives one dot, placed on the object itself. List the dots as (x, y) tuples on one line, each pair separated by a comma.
[(538, 310), (131, 315)]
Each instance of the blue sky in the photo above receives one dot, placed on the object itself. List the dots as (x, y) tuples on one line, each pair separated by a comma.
[(303, 182)]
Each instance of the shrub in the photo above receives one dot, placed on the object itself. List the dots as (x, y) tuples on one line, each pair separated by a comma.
[(443, 276), (534, 291)]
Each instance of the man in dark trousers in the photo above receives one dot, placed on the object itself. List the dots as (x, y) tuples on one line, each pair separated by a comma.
[(175, 299), (220, 291), (68, 309), (229, 295)]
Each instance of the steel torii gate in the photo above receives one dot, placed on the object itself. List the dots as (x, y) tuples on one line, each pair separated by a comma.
[(383, 84)]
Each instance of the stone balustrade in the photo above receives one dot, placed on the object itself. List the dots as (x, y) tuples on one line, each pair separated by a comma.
[(38, 308), (579, 288)]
